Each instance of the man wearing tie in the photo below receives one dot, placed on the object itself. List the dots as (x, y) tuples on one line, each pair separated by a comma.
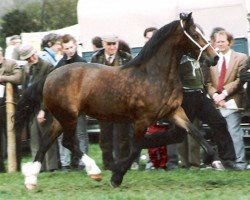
[(114, 137), (224, 86)]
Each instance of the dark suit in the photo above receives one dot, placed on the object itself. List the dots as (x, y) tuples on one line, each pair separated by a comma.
[(81, 136), (114, 136), (33, 74), (203, 109)]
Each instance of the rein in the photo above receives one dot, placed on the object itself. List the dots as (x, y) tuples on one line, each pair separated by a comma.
[(201, 48)]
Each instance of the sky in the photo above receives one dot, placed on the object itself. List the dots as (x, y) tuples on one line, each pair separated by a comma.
[(129, 18)]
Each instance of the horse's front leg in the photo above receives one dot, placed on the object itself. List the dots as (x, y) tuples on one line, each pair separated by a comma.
[(71, 142), (181, 120), (31, 170)]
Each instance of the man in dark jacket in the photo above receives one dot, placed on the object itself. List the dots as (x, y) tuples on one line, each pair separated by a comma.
[(194, 85), (113, 136), (69, 47), (35, 70), (70, 55)]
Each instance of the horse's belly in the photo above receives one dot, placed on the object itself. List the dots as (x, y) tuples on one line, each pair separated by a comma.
[(106, 112)]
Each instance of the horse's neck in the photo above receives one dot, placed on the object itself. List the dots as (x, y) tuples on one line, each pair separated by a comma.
[(165, 63)]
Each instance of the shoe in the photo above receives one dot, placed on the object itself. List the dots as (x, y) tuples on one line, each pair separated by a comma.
[(228, 164), (134, 166), (240, 167), (81, 167), (205, 167), (149, 166), (65, 168), (53, 170), (171, 166), (194, 168)]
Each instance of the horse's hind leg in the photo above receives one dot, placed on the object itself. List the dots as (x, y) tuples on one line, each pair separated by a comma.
[(181, 120), (32, 169), (120, 167)]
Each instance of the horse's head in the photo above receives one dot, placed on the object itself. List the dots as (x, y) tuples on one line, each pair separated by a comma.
[(197, 44)]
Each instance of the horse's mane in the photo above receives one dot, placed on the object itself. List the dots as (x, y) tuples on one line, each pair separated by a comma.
[(152, 45)]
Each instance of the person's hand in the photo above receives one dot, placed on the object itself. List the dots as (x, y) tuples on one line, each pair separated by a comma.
[(222, 104), (41, 117), (219, 97)]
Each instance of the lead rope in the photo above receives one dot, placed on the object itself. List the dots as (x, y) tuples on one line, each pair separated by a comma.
[(201, 48)]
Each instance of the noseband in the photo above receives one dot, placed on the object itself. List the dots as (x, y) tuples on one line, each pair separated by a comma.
[(201, 48)]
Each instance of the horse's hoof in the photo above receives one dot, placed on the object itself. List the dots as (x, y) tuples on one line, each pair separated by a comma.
[(217, 165), (96, 177), (116, 180), (30, 186), (113, 184)]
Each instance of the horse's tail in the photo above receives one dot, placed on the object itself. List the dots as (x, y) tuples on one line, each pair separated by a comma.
[(28, 105)]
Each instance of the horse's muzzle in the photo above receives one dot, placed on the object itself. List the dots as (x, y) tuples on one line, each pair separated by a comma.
[(215, 61)]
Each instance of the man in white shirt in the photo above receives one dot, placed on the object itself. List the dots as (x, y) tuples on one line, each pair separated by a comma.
[(224, 86)]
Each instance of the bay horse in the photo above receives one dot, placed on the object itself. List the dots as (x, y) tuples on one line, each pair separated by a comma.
[(142, 91)]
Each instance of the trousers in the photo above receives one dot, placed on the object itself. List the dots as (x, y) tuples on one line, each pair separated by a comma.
[(114, 141), (189, 151), (37, 131), (198, 105), (83, 139), (233, 122)]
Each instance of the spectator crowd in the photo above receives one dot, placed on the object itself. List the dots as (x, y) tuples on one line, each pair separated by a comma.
[(213, 95)]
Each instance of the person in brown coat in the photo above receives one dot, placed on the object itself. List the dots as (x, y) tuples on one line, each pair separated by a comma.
[(12, 73), (227, 92)]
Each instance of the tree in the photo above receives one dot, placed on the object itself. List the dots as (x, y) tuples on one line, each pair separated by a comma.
[(59, 14), (42, 15), (16, 22), (53, 14)]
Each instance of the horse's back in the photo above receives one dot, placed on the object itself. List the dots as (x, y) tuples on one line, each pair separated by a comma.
[(77, 86)]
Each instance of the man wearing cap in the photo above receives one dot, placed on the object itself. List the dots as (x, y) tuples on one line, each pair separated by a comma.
[(15, 40), (120, 132), (9, 72), (40, 124)]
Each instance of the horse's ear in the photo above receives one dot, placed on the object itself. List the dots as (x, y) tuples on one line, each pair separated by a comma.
[(186, 16), (189, 16)]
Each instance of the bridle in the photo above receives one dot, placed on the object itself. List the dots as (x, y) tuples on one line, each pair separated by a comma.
[(201, 48)]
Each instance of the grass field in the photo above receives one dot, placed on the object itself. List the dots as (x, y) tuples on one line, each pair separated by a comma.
[(137, 185)]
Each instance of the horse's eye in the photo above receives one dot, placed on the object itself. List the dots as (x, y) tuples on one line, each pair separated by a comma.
[(195, 36)]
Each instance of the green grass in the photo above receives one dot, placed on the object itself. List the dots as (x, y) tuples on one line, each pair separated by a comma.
[(137, 185)]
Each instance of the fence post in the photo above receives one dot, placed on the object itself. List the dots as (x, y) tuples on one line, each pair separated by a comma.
[(11, 138)]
